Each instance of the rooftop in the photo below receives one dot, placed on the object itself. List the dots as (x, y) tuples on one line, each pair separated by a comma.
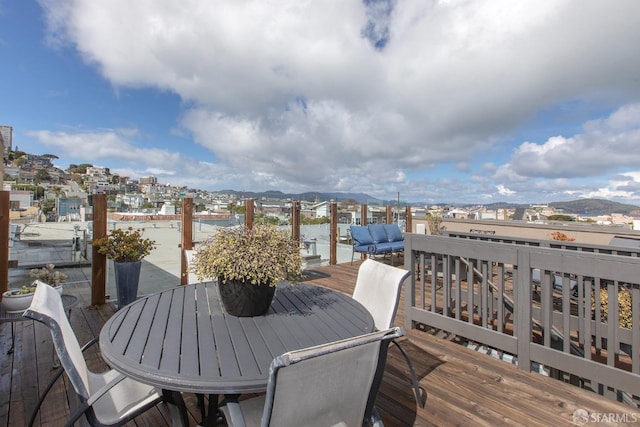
[(462, 386)]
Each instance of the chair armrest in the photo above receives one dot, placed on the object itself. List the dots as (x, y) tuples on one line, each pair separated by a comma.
[(105, 388), (90, 343)]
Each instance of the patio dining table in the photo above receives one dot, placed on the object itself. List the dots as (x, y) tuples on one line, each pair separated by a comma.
[(181, 339)]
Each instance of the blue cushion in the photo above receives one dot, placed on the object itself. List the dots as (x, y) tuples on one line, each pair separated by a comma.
[(393, 232), (377, 233), (383, 248), (361, 235)]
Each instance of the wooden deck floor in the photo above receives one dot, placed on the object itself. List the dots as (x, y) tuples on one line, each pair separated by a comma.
[(462, 387)]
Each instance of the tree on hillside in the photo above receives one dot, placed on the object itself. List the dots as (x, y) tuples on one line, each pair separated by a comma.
[(48, 206), (559, 217), (82, 168), (42, 175), (20, 160)]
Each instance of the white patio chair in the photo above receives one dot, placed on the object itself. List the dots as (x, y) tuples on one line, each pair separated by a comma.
[(105, 399), (378, 287), (333, 384)]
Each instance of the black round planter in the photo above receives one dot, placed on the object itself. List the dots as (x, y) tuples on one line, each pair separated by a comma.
[(244, 299)]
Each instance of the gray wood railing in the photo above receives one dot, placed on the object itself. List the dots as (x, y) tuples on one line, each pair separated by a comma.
[(558, 244), (539, 304)]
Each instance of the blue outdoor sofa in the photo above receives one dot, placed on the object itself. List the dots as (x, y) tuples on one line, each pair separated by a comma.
[(376, 239)]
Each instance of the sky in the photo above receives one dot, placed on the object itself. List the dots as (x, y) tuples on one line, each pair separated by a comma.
[(441, 101)]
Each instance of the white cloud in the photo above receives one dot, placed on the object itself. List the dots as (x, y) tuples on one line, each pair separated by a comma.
[(606, 145), (503, 191), (298, 95)]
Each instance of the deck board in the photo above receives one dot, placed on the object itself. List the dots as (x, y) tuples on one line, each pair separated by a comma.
[(463, 387)]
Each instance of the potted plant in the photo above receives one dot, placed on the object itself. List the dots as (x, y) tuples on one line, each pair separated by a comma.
[(17, 300), (248, 263), (126, 248)]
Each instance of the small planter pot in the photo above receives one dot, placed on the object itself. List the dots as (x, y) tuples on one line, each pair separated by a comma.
[(244, 299), (19, 303), (16, 303)]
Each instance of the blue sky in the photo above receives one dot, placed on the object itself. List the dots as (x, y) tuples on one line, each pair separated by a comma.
[(442, 101)]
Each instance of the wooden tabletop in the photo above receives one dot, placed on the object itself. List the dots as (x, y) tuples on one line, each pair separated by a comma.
[(181, 339)]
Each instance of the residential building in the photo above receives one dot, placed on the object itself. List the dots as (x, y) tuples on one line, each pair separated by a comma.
[(6, 134), (148, 180), (69, 209)]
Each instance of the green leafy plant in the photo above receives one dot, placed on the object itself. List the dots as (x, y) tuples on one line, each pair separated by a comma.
[(125, 245), (261, 255)]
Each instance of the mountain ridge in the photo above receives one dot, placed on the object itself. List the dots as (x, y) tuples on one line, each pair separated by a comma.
[(590, 207)]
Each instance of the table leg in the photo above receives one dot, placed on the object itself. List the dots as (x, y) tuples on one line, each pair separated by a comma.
[(203, 411), (177, 408), (211, 419)]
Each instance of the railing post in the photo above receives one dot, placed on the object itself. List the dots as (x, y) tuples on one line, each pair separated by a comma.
[(333, 234), (410, 283), (408, 225), (522, 310), (99, 261), (363, 221), (295, 221), (186, 241), (363, 214), (5, 221), (248, 213)]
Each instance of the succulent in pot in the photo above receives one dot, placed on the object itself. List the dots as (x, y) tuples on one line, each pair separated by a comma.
[(248, 259), (125, 245), (16, 300), (126, 248)]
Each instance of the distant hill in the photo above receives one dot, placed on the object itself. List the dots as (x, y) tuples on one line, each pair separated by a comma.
[(589, 207), (596, 207), (308, 196)]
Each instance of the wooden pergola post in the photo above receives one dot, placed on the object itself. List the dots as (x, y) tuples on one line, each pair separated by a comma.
[(5, 221), (99, 261), (295, 221), (333, 233), (408, 220), (248, 213), (186, 239), (389, 214), (363, 221)]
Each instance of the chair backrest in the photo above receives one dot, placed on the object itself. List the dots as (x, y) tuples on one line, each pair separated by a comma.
[(330, 384), (378, 288), (46, 307), (360, 235)]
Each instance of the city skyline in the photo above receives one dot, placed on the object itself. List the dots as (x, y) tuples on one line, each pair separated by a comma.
[(460, 102)]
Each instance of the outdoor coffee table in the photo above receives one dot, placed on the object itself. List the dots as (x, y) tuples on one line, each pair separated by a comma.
[(181, 340)]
